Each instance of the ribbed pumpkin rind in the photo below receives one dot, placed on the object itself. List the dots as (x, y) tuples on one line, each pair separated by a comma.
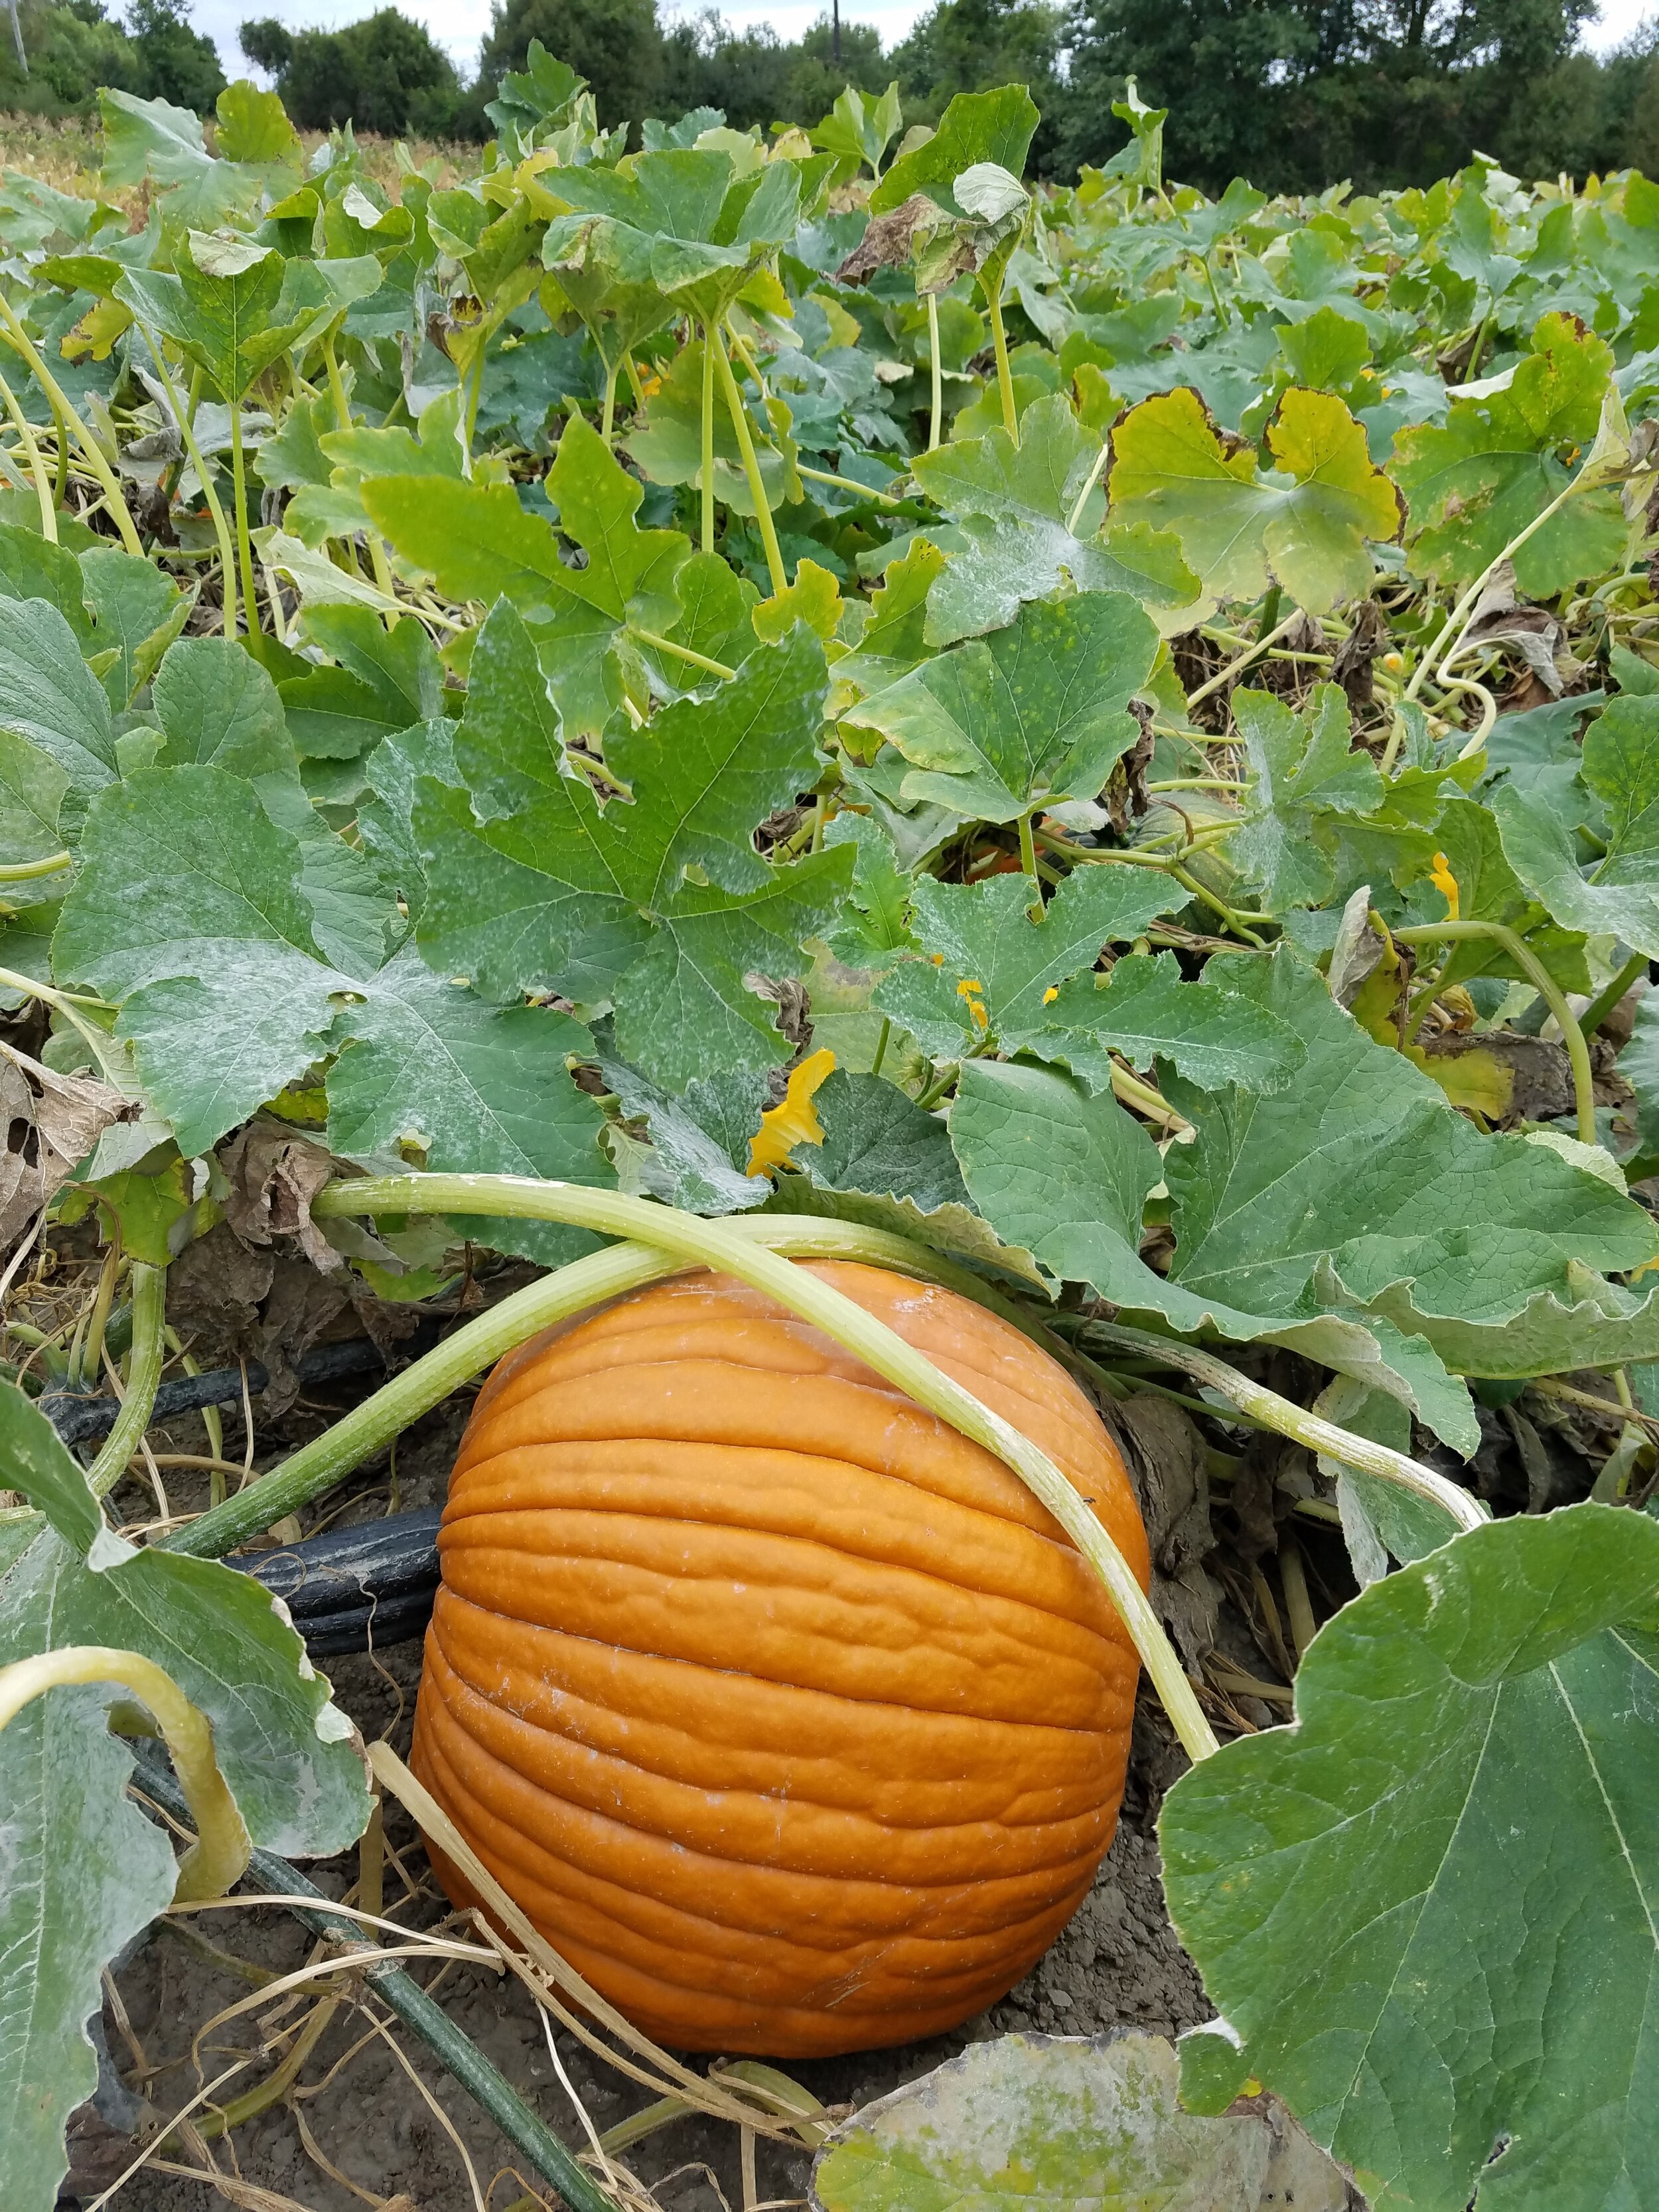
[(788, 1715)]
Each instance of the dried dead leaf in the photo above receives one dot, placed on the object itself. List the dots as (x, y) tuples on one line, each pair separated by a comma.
[(274, 1174), (52, 1122)]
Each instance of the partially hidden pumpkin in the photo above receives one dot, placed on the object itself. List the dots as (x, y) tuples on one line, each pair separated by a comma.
[(786, 1713)]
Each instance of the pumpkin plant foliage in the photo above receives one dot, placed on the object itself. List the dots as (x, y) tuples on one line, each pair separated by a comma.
[(1115, 734)]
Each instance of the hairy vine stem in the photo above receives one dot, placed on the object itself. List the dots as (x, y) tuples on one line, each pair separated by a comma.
[(29, 872), (739, 414), (43, 489), (121, 513), (96, 1041), (221, 1851), (185, 418), (936, 414), (143, 1374), (707, 452), (1294, 1421), (992, 295)]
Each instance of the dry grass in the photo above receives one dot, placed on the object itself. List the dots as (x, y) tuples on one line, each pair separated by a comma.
[(65, 152)]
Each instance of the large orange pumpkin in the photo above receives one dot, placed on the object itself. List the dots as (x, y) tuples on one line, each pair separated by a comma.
[(786, 1713)]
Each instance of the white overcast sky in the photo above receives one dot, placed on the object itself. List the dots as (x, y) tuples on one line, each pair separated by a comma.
[(461, 25)]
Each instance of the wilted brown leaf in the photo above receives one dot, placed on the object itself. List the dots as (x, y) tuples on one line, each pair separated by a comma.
[(52, 1122)]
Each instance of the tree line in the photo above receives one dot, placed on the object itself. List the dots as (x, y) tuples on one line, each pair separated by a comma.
[(1291, 93)]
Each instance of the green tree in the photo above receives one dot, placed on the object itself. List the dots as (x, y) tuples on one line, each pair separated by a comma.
[(1221, 68), (818, 77), (615, 44), (383, 74), (1627, 113), (75, 49), (755, 78), (970, 45), (1296, 93), (178, 64)]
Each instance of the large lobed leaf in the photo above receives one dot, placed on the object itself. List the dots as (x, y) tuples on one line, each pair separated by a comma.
[(1355, 1214), (1304, 522), (1426, 1910), (658, 902)]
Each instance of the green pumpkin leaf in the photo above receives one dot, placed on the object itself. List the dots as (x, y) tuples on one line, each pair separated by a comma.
[(698, 1146), (385, 819), (253, 126), (894, 637), (1490, 891), (982, 949), (425, 1065), (888, 1164), (1300, 771), (151, 138), (1145, 1011), (189, 908), (1359, 1193), (138, 609), (976, 127), (1460, 1809), (1477, 481), (1014, 505), (1304, 522), (387, 681), (1620, 764), (236, 306), (657, 902), (873, 925), (680, 222), (280, 1744), (86, 1874), (715, 619), (32, 568), (879, 1142), (480, 543), (49, 697), (1067, 1174), (218, 708), (1034, 713), (32, 787)]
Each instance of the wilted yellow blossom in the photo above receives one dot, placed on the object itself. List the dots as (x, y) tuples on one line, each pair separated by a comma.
[(794, 1120)]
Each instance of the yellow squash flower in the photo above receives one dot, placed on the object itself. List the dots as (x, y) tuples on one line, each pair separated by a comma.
[(794, 1120), (1446, 883)]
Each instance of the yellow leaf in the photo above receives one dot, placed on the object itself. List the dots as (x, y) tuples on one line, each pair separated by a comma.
[(845, 330), (1376, 1004), (766, 295), (97, 331), (795, 1120), (1474, 1080), (814, 597)]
